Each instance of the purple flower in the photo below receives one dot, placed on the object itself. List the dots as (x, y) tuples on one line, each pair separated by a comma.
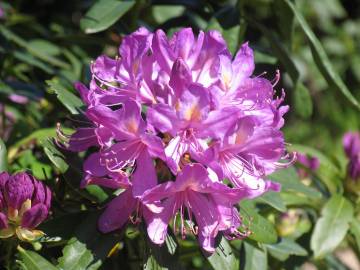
[(24, 204), (351, 143), (180, 125), (193, 194)]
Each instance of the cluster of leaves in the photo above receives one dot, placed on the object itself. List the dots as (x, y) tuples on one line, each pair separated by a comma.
[(45, 46)]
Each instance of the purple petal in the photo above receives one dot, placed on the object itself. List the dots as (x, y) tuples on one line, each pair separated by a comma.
[(94, 166), (163, 118), (117, 212), (144, 176), (82, 139), (3, 221), (83, 91), (157, 224), (34, 216), (121, 181), (180, 77), (164, 55), (207, 218), (18, 189), (105, 68), (351, 143), (155, 146), (183, 42), (244, 65)]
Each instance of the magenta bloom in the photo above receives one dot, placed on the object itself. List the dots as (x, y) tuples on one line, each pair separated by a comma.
[(311, 163), (24, 204), (351, 143), (193, 194), (170, 119)]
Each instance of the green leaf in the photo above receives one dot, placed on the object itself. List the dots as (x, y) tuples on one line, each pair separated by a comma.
[(97, 192), (255, 258), (328, 172), (103, 14), (261, 229), (320, 57), (33, 138), (70, 100), (333, 225), (3, 156), (34, 51), (34, 261), (55, 156), (285, 248), (355, 230), (289, 180), (224, 257), (44, 46), (273, 199), (83, 226), (163, 257), (77, 257), (303, 102)]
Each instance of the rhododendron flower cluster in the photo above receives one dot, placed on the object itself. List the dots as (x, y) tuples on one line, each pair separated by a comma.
[(185, 129), (24, 204)]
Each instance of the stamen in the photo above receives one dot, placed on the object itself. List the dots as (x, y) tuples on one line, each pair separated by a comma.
[(276, 79)]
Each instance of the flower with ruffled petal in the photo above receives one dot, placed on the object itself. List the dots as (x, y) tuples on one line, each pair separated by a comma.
[(193, 194), (24, 204)]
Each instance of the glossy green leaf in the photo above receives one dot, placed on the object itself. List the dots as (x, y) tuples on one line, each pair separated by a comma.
[(77, 257), (286, 247), (83, 226), (289, 180), (273, 199), (255, 258), (321, 59), (224, 257), (3, 156), (56, 157), (70, 100), (103, 14), (261, 229), (34, 261), (332, 226)]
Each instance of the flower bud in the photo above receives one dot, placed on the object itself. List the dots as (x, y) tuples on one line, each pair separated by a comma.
[(24, 204)]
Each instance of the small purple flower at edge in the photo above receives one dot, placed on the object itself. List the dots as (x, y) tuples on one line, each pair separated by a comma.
[(183, 108), (351, 143), (24, 204)]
